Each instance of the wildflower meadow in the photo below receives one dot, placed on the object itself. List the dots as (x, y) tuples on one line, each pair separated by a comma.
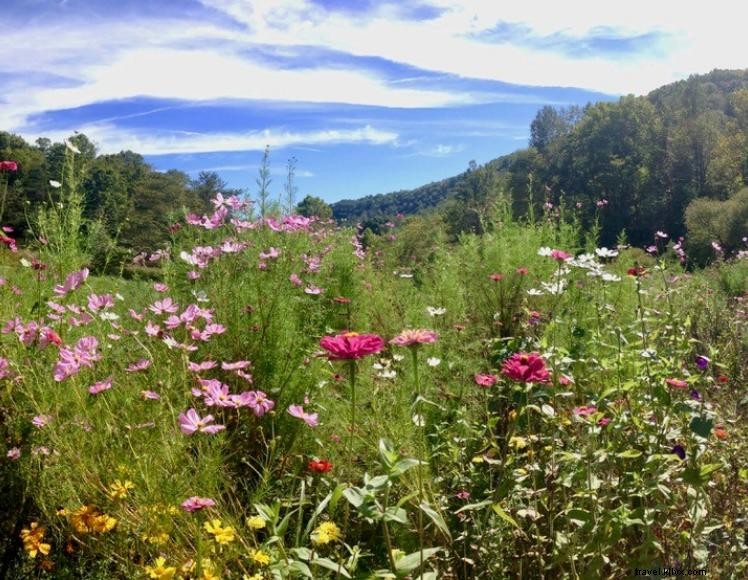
[(282, 397)]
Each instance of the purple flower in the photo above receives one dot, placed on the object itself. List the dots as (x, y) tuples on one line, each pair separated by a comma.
[(297, 411), (695, 395), (680, 451), (702, 362), (196, 503), (190, 422)]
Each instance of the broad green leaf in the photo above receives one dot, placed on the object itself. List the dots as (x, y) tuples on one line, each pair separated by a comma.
[(330, 565), (504, 516), (412, 561), (701, 426), (437, 519)]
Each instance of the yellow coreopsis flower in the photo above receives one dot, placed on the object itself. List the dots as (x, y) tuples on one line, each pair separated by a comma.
[(32, 540), (88, 518), (160, 571), (260, 558), (221, 534), (325, 533), (119, 489)]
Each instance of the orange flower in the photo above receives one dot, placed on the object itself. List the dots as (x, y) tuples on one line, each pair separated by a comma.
[(720, 432)]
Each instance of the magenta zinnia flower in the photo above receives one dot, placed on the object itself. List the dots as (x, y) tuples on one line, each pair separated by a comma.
[(351, 345), (190, 422), (196, 503), (526, 368), (414, 337)]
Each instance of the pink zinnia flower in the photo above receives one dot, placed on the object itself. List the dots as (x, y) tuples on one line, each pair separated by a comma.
[(190, 423), (676, 383), (308, 418), (351, 345), (526, 368), (415, 337), (196, 503), (485, 380), (585, 410)]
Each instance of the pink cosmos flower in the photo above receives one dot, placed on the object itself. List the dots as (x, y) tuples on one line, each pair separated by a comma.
[(238, 365), (560, 255), (676, 383), (526, 368), (138, 366), (196, 503), (4, 368), (218, 394), (415, 337), (152, 329), (41, 421), (255, 400), (308, 418), (295, 280), (313, 290), (100, 386), (165, 306), (160, 287), (202, 366), (351, 345), (150, 395), (271, 254), (190, 423), (483, 380), (496, 277), (98, 302), (71, 360), (72, 282)]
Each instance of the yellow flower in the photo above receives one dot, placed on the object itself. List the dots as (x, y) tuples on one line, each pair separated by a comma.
[(32, 540), (220, 534), (512, 415), (256, 522), (160, 571), (325, 533), (88, 519), (119, 489), (517, 442), (157, 538), (259, 557), (257, 576)]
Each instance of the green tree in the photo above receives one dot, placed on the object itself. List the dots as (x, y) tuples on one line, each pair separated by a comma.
[(314, 206)]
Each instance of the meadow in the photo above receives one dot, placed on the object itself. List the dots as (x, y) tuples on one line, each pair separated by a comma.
[(282, 398)]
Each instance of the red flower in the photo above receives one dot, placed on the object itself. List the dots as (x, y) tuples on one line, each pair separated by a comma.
[(485, 380), (496, 277), (526, 368), (676, 383), (636, 271), (351, 345), (319, 466), (722, 379), (720, 432), (8, 166)]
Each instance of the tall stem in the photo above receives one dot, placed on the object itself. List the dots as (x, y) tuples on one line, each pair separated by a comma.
[(417, 382), (352, 383)]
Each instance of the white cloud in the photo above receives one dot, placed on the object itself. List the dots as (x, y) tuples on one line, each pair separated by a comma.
[(110, 139)]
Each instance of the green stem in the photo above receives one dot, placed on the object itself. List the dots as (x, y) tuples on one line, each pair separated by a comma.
[(419, 473)]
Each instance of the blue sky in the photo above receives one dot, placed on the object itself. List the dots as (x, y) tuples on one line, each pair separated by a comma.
[(370, 96)]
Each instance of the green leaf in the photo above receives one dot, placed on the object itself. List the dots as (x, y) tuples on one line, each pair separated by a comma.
[(474, 506), (320, 508), (301, 568), (629, 454), (504, 516), (396, 514), (412, 561), (354, 496), (701, 426), (437, 519), (402, 466), (330, 565)]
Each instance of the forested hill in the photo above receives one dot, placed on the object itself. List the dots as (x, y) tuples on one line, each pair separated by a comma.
[(648, 156)]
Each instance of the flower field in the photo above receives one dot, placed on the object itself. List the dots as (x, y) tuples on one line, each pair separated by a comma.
[(280, 398)]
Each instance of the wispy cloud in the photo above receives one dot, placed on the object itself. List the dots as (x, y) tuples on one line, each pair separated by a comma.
[(111, 139)]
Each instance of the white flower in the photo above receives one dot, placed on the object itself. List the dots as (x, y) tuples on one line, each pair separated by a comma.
[(610, 277), (72, 147), (388, 374), (661, 235), (419, 421), (108, 316), (397, 357), (433, 311), (406, 275), (433, 361), (535, 292), (606, 253), (55, 184), (544, 251), (187, 258), (556, 287)]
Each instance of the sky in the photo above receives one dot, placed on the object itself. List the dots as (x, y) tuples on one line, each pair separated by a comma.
[(368, 96)]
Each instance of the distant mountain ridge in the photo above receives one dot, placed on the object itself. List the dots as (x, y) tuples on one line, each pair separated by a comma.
[(679, 106)]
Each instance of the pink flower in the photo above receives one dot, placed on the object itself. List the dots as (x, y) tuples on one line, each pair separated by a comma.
[(238, 365), (295, 280), (10, 166), (271, 254), (160, 287), (100, 302), (196, 503), (415, 337), (138, 366), (164, 306), (485, 380), (308, 418), (313, 290), (4, 368), (463, 495), (218, 394), (13, 454), (150, 395), (526, 368), (496, 277), (72, 282), (522, 271), (41, 421), (190, 423), (351, 345), (603, 421), (560, 255), (676, 383), (585, 410), (100, 386), (255, 400)]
